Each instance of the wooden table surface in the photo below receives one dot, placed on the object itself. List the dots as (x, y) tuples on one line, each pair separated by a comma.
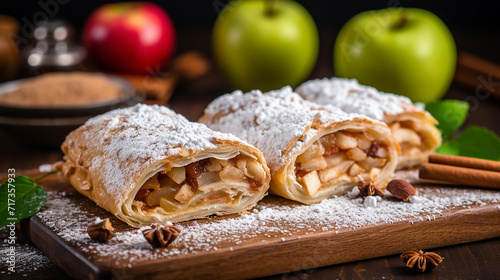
[(477, 260)]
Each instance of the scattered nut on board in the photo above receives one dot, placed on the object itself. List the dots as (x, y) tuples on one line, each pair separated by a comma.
[(101, 231), (417, 259), (401, 189)]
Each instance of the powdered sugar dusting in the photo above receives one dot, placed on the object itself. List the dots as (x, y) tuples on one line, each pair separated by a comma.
[(273, 220), (352, 97), (28, 258), (135, 137), (271, 121)]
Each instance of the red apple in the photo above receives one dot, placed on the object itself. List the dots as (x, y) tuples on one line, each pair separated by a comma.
[(129, 37)]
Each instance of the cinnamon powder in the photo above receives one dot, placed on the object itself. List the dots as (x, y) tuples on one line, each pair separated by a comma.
[(62, 90)]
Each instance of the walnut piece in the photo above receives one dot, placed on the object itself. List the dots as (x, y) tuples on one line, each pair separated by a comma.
[(161, 236), (102, 231), (422, 261)]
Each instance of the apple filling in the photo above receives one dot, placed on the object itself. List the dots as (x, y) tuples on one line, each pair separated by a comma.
[(207, 181), (342, 156), (409, 137)]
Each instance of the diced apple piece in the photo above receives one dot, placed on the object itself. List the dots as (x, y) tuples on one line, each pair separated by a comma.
[(369, 136), (311, 183), (356, 154), (329, 174), (382, 163), (151, 183), (335, 159), (166, 182), (371, 162), (231, 174), (334, 172), (255, 170), (395, 126), (344, 166), (355, 170), (168, 205), (314, 151), (177, 174), (318, 163), (251, 168), (214, 165), (405, 135), (381, 152), (413, 151), (363, 142), (207, 178), (184, 194), (374, 173), (241, 164), (154, 198), (411, 124), (345, 141)]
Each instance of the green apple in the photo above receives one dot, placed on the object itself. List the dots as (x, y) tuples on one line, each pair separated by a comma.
[(406, 51), (265, 44)]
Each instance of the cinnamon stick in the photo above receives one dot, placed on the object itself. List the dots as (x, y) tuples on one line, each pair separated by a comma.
[(461, 175), (478, 64), (469, 162), (477, 73)]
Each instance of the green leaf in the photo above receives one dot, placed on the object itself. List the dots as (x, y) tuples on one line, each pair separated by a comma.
[(474, 141), (20, 198), (449, 148), (449, 113)]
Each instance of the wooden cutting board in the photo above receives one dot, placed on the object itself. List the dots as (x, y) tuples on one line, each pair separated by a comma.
[(292, 247)]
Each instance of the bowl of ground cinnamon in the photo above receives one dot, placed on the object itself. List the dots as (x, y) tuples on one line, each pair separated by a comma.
[(65, 94), (41, 111)]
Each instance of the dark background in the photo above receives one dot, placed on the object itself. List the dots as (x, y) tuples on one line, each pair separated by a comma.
[(474, 25), (473, 18), (463, 15)]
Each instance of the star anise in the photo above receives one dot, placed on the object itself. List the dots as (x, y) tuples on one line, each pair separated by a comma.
[(161, 236), (422, 261), (369, 188)]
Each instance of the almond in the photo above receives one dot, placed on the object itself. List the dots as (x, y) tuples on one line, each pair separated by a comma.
[(401, 189)]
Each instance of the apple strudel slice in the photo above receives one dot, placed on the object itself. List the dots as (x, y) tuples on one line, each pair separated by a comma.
[(313, 152), (147, 164), (413, 128)]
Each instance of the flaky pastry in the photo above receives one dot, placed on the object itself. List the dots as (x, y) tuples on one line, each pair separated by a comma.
[(147, 164), (313, 152)]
